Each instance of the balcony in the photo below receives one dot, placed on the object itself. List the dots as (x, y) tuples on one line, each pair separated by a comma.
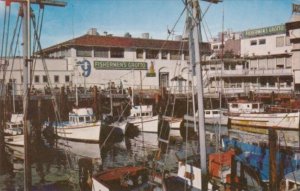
[(247, 72)]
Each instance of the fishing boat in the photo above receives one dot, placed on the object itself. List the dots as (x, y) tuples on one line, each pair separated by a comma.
[(81, 126), (142, 117), (253, 127), (14, 137)]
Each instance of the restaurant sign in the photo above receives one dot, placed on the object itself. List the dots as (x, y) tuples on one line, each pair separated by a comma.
[(119, 65), (278, 29)]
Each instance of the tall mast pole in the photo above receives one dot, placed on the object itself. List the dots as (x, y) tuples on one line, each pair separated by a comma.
[(196, 24), (26, 58)]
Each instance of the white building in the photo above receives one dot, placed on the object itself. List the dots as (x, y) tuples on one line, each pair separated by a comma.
[(93, 59), (265, 65)]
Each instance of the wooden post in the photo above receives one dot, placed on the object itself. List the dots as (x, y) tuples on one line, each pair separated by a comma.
[(233, 173), (39, 122), (95, 102), (63, 104), (2, 144), (242, 182), (273, 150)]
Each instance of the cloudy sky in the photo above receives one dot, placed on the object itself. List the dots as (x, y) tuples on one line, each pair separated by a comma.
[(153, 16)]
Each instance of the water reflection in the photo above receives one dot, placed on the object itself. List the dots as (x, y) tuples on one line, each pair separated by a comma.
[(55, 162)]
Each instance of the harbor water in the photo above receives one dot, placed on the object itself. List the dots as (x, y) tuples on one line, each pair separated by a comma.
[(55, 161)]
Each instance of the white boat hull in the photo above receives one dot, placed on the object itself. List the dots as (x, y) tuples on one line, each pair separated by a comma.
[(252, 128), (287, 121), (15, 143), (211, 120), (83, 133)]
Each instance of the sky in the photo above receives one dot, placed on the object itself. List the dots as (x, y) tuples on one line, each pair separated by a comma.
[(152, 16)]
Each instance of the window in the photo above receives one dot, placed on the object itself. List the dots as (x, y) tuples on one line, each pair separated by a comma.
[(101, 52), (37, 79), (262, 41), (234, 105), (164, 55), (255, 106), (81, 119), (215, 112), (139, 53), (175, 55), (287, 41), (151, 54), (186, 55), (84, 52), (280, 41), (215, 47), (45, 79), (67, 78), (207, 112), (87, 119), (117, 53), (56, 79), (253, 42)]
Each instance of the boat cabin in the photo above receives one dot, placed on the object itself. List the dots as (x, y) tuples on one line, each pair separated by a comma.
[(141, 110), (245, 107), (212, 113), (81, 116), (15, 126)]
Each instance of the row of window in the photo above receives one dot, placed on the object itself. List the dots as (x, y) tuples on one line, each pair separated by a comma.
[(45, 79), (119, 53), (280, 41), (259, 42)]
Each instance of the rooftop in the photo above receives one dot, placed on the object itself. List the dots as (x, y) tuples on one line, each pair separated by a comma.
[(88, 40)]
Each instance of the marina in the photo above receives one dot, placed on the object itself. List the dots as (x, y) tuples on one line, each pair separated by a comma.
[(106, 112)]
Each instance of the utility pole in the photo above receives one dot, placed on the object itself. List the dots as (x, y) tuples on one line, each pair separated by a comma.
[(26, 5)]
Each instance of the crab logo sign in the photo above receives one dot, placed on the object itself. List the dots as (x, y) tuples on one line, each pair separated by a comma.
[(86, 67)]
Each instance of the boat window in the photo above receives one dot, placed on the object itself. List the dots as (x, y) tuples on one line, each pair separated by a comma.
[(215, 112), (234, 105), (143, 114), (207, 112), (248, 105), (81, 119), (255, 106), (87, 119)]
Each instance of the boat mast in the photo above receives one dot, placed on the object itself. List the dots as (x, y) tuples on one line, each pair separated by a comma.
[(195, 30), (26, 5), (201, 128), (26, 58)]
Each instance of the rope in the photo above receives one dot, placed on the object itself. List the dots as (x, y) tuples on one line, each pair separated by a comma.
[(15, 52), (3, 34), (7, 33)]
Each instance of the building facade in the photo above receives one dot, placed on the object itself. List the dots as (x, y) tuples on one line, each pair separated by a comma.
[(100, 60), (265, 65)]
